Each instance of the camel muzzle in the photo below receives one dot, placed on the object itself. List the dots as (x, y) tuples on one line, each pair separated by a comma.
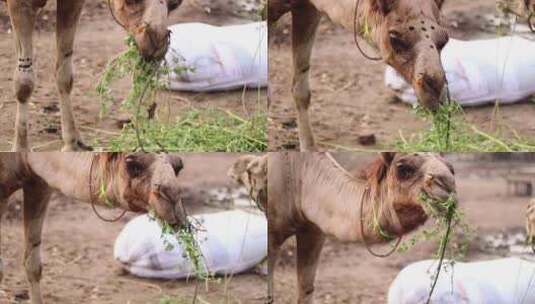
[(152, 43)]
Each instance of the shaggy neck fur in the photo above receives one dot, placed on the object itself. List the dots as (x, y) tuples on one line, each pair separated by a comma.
[(331, 200)]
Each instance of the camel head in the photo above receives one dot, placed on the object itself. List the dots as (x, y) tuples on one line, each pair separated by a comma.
[(404, 178), (410, 38), (251, 172), (150, 182), (146, 21), (530, 221)]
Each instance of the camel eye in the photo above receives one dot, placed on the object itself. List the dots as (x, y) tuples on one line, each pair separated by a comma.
[(133, 166), (405, 171), (397, 42)]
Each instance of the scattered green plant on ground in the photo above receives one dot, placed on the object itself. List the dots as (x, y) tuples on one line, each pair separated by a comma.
[(449, 132), (195, 130), (199, 130)]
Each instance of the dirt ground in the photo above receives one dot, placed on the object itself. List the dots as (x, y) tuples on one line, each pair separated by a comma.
[(98, 40), (348, 93), (349, 274), (77, 252)]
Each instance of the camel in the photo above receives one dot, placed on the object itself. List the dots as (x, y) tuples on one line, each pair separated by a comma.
[(530, 222), (145, 20), (251, 172), (133, 182), (407, 33), (311, 196)]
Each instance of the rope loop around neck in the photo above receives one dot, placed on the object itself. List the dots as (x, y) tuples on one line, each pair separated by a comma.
[(92, 201), (356, 34), (366, 196)]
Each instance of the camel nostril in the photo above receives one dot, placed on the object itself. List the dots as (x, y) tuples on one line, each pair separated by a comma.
[(444, 183), (432, 84)]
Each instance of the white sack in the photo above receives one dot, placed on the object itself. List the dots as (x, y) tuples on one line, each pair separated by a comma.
[(221, 57), (481, 71), (488, 282), (234, 241)]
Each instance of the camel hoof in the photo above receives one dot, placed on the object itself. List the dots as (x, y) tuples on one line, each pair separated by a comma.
[(77, 145)]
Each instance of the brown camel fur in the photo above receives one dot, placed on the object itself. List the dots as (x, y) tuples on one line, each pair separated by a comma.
[(135, 182), (310, 196), (144, 19), (251, 172), (407, 34)]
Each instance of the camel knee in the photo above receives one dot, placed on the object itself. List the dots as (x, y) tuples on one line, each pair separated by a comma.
[(301, 90), (24, 80), (32, 263), (34, 271), (64, 75), (307, 295)]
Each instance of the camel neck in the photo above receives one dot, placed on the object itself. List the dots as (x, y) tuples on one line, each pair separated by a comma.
[(69, 173), (331, 200), (343, 13)]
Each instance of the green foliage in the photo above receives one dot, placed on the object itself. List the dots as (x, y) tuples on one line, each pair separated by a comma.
[(449, 132), (194, 131), (197, 131), (450, 230), (185, 235)]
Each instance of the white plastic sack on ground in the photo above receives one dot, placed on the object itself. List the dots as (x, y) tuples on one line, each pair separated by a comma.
[(481, 71), (218, 57), (509, 280), (233, 241)]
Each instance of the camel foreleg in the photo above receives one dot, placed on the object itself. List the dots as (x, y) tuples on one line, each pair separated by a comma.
[(68, 15), (3, 207), (305, 20), (309, 245), (36, 197), (22, 15), (274, 246)]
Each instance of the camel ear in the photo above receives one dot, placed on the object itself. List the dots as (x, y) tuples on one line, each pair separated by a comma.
[(388, 157), (173, 4), (384, 6), (176, 163), (240, 167)]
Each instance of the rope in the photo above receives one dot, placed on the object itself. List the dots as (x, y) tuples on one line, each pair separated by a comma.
[(91, 196), (114, 17), (365, 194), (355, 34), (367, 245)]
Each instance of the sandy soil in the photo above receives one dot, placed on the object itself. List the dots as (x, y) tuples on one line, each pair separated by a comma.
[(349, 274), (98, 40), (77, 252), (348, 95)]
